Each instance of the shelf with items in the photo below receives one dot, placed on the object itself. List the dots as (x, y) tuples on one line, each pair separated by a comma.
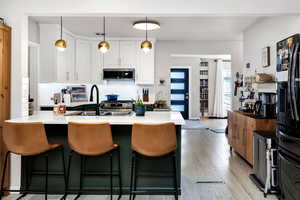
[(204, 95)]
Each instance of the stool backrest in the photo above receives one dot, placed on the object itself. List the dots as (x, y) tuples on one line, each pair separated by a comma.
[(25, 138), (90, 138), (154, 139)]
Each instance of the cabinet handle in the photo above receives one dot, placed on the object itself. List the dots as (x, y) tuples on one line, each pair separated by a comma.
[(77, 76), (68, 76)]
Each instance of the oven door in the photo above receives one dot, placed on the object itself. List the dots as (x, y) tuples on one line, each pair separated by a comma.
[(289, 176)]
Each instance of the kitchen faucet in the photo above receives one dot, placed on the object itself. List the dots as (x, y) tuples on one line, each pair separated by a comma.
[(91, 98)]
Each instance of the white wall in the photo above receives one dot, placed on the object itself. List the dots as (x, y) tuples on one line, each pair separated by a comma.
[(34, 31), (163, 60), (267, 32)]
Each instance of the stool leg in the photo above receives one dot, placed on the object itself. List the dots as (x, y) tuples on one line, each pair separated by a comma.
[(46, 185), (175, 176), (81, 176), (68, 174), (64, 171), (135, 175), (111, 176), (120, 174), (3, 175), (131, 175)]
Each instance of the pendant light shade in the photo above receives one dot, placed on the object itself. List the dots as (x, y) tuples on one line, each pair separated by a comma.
[(61, 44), (146, 45), (103, 46)]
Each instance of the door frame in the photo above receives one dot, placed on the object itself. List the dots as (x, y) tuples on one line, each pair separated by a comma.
[(189, 68)]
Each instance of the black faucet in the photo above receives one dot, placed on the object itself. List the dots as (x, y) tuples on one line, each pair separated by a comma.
[(91, 99)]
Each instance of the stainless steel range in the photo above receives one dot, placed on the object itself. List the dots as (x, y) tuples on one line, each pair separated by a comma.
[(120, 107)]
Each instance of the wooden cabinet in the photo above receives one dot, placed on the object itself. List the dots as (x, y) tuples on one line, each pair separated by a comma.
[(240, 132), (5, 68)]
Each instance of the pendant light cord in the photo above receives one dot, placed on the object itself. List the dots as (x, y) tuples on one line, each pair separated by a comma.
[(146, 28), (104, 27), (61, 27)]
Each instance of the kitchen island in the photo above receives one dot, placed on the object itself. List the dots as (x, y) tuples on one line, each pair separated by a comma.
[(56, 129)]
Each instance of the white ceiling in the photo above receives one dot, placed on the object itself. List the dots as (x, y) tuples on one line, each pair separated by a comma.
[(172, 28)]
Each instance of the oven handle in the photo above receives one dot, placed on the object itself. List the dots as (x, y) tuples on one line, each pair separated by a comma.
[(291, 162), (294, 102), (289, 82)]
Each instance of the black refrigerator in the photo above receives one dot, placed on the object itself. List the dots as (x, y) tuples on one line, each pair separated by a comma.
[(288, 116)]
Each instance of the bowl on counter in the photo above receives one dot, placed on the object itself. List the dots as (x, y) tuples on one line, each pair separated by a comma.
[(112, 97)]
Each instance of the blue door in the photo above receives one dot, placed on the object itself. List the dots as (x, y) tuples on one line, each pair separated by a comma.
[(180, 91)]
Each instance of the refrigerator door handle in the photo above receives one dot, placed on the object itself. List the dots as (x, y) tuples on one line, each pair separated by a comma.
[(293, 88), (289, 82)]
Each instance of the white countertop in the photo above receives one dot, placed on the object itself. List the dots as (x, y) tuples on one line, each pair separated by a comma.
[(48, 117)]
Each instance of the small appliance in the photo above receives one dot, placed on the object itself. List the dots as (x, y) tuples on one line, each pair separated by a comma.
[(268, 105), (118, 74)]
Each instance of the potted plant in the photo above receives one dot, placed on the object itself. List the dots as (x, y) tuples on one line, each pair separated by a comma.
[(139, 107)]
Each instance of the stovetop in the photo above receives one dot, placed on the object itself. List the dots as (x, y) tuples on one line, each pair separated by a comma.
[(117, 105)]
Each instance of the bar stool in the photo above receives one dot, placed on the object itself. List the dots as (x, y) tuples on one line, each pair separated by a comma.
[(29, 140), (152, 141), (90, 140)]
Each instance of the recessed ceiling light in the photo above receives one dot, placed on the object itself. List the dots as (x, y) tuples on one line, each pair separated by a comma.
[(149, 25)]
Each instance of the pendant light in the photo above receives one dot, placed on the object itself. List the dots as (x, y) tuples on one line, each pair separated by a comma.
[(146, 45), (61, 44), (103, 46)]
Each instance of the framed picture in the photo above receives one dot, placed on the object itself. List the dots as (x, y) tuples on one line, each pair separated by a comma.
[(266, 57)]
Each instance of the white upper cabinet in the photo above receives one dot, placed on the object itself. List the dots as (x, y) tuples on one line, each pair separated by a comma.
[(145, 67), (112, 56), (83, 61), (97, 64), (128, 54), (66, 61), (122, 54), (55, 66)]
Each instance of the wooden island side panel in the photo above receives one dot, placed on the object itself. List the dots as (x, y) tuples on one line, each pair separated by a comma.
[(240, 132)]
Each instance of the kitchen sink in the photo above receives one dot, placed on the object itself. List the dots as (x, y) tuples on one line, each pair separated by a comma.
[(102, 113)]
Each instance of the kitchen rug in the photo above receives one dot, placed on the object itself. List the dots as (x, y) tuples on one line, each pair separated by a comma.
[(193, 125)]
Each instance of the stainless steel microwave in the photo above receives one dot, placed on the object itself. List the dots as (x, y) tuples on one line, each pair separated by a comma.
[(118, 74)]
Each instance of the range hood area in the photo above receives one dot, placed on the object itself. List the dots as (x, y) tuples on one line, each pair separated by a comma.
[(119, 74)]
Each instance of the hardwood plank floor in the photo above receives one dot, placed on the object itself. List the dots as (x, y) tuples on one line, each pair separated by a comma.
[(205, 157)]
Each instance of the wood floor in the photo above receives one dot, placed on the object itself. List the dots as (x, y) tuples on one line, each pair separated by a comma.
[(205, 157)]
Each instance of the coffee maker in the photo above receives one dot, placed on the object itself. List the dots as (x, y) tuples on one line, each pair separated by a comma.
[(268, 105)]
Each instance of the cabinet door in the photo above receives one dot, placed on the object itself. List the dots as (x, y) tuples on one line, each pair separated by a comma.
[(145, 68), (83, 61), (49, 33), (112, 56), (97, 64), (66, 61), (4, 76), (128, 54)]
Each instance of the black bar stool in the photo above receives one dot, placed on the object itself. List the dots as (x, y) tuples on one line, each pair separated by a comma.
[(150, 141), (90, 140), (29, 140)]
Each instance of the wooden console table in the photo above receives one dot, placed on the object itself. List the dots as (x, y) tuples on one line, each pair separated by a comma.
[(240, 132)]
